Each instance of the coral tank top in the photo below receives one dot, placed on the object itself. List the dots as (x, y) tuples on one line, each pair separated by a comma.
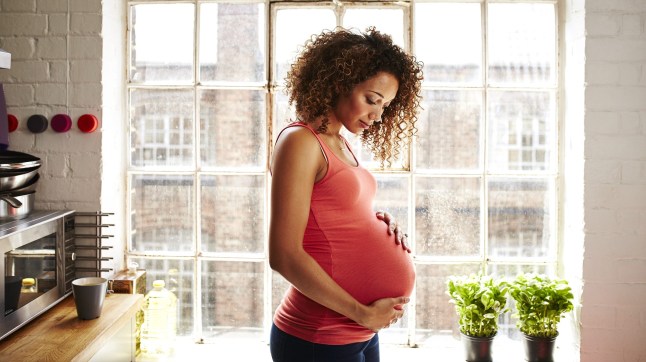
[(345, 237)]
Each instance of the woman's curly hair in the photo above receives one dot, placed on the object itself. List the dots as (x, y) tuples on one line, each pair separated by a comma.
[(335, 61)]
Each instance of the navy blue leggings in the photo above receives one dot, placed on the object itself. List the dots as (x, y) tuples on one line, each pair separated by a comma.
[(287, 348)]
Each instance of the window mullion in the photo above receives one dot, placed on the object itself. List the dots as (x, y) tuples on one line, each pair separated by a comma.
[(197, 301), (484, 182), (412, 307)]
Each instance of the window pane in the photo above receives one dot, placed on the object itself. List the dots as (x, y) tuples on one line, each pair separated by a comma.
[(283, 113), (512, 270), (449, 130), (293, 28), (161, 131), (448, 39), (447, 216), (436, 317), (233, 128), (161, 39), (392, 196), (387, 21), (162, 213), (522, 131), (522, 44), (520, 217), (232, 42), (179, 276), (232, 297), (232, 213)]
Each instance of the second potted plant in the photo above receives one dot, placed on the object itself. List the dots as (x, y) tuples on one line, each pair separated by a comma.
[(541, 301), (479, 301)]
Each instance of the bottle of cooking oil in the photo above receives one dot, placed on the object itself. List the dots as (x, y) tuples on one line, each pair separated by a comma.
[(28, 285), (160, 321)]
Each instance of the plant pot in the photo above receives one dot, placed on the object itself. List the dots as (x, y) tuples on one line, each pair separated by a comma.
[(477, 349), (538, 349)]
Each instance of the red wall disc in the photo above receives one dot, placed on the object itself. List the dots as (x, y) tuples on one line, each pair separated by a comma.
[(13, 122), (87, 123)]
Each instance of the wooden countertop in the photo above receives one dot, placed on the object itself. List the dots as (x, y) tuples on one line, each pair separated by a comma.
[(58, 335)]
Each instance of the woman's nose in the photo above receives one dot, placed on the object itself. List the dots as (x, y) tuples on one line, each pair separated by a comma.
[(376, 115)]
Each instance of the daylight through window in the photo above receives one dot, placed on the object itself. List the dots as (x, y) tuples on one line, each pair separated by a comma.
[(476, 191)]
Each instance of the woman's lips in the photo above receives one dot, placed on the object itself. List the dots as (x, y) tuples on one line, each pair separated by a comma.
[(364, 125)]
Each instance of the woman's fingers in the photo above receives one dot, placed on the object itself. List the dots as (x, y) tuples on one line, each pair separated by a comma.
[(405, 243), (401, 238), (388, 219), (392, 321), (389, 311)]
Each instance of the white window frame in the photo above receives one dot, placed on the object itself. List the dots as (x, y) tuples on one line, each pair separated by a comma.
[(274, 86)]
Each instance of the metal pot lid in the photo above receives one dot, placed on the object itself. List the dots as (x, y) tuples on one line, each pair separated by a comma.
[(17, 172), (13, 160)]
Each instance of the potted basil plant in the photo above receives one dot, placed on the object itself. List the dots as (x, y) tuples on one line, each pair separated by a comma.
[(479, 301), (541, 301)]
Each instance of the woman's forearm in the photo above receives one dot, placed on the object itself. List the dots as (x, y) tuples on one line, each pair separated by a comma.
[(306, 275)]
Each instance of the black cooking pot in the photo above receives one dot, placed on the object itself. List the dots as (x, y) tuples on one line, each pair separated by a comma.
[(13, 160)]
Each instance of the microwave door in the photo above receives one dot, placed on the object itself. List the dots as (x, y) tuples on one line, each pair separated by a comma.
[(20, 257)]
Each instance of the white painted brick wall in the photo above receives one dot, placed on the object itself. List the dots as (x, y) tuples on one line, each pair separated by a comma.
[(85, 47), (613, 316), (56, 48), (19, 5), (52, 6)]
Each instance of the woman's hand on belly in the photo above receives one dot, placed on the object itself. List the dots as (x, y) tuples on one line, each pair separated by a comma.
[(382, 313), (401, 238)]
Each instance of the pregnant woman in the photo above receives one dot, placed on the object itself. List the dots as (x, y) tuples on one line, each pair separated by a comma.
[(350, 276)]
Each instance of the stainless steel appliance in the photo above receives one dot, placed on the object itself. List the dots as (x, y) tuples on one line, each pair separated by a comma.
[(37, 266)]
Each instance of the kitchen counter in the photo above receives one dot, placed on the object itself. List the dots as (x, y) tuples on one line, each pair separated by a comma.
[(58, 334)]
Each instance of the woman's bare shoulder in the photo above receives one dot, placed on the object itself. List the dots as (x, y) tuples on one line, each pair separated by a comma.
[(296, 138), (298, 148)]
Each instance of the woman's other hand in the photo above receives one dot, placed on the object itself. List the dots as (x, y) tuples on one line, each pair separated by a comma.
[(393, 227), (383, 313)]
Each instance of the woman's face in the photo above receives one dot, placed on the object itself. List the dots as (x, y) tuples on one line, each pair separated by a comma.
[(367, 101)]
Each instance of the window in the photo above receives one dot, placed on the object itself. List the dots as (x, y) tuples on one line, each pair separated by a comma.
[(477, 190)]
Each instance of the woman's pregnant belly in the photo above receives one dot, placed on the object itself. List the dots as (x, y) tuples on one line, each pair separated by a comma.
[(369, 265)]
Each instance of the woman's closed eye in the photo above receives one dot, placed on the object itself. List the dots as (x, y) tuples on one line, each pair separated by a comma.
[(374, 103)]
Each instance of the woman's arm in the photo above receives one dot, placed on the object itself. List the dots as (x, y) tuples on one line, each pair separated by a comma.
[(297, 164)]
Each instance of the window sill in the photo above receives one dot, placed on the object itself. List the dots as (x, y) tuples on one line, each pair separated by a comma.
[(257, 351)]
